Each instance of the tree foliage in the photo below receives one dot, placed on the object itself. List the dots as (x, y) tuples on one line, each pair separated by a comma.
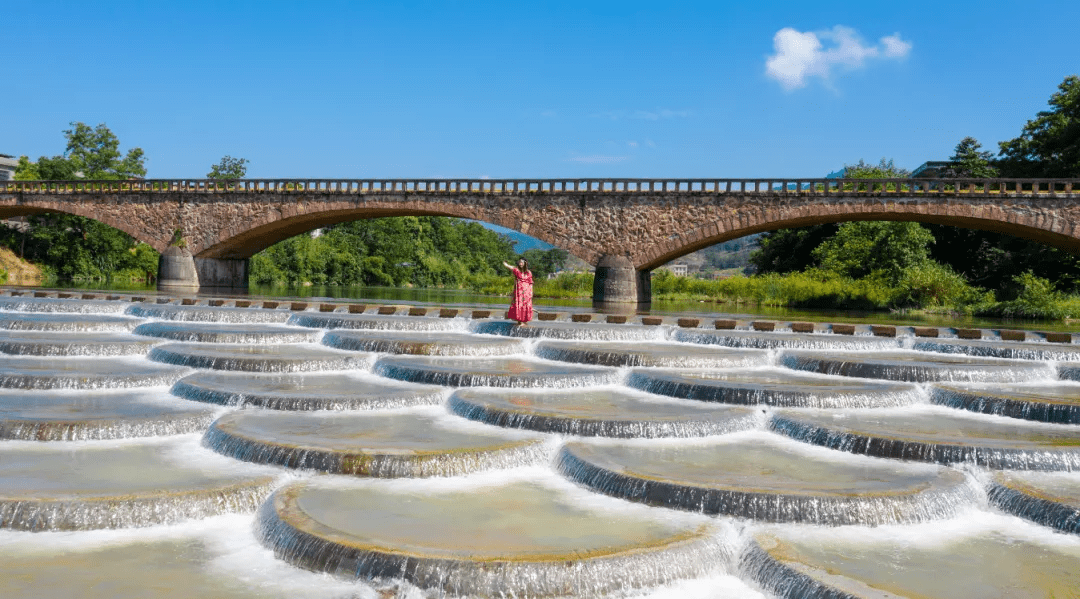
[(421, 251), (790, 250), (969, 162), (1049, 145), (884, 169), (73, 247), (545, 262), (229, 168), (887, 249)]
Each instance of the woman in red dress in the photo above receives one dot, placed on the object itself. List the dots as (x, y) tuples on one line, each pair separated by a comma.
[(521, 308)]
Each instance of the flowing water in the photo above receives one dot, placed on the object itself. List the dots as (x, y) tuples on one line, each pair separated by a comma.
[(190, 451)]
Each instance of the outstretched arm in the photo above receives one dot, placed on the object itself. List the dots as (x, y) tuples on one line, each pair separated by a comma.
[(508, 267)]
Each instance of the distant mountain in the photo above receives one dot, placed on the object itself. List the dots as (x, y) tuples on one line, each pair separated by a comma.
[(522, 242)]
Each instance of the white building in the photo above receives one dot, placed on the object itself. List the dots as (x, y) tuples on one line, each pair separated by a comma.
[(679, 270), (7, 167)]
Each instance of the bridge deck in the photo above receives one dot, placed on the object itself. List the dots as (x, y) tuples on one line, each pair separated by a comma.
[(813, 187)]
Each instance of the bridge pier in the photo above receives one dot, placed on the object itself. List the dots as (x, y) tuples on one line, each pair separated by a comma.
[(620, 287), (222, 273), (176, 270)]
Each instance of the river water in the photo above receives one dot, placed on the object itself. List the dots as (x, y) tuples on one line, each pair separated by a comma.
[(167, 450)]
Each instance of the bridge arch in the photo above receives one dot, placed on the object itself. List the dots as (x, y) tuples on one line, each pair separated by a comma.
[(121, 224), (1056, 232), (266, 232)]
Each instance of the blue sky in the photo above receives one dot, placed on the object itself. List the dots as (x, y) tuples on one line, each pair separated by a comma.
[(541, 89)]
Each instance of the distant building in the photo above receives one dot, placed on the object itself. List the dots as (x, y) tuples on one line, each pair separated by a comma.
[(929, 169), (7, 167), (679, 270)]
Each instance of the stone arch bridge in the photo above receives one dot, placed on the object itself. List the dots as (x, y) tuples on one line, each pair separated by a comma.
[(624, 227)]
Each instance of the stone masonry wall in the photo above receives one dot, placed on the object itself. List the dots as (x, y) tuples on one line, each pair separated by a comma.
[(648, 228)]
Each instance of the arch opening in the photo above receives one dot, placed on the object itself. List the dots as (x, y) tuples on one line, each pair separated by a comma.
[(420, 250), (78, 246)]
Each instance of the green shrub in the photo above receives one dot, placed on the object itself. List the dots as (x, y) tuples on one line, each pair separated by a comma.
[(932, 284), (1037, 299)]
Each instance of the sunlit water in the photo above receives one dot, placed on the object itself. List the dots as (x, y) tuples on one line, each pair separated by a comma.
[(190, 451)]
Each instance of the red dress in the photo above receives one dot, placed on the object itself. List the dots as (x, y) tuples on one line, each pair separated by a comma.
[(521, 301)]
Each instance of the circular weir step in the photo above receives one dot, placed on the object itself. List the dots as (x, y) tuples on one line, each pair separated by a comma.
[(167, 565), (76, 416), (510, 539), (18, 372), (53, 343), (310, 391), (491, 372), (1048, 498), (207, 314), (774, 387), (320, 320), (601, 412), (1048, 402), (938, 435), (917, 366), (762, 340), (757, 477), (55, 487), (367, 444), (67, 322), (44, 304), (672, 355), (1017, 350), (837, 564), (423, 343), (226, 332), (257, 358), (568, 330)]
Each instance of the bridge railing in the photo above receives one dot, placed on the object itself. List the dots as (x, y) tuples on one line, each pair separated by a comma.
[(799, 187)]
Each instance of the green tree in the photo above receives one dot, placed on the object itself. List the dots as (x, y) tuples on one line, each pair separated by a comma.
[(74, 247), (423, 251), (95, 152), (56, 168), (882, 248), (229, 168), (1049, 145), (994, 260), (544, 262), (969, 162), (790, 250), (885, 169)]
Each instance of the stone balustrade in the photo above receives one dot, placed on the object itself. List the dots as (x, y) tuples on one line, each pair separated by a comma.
[(772, 186)]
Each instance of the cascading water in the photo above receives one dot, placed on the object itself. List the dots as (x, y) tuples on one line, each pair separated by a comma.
[(13, 321), (569, 330), (212, 447), (257, 358), (232, 333), (305, 392), (204, 314), (672, 355), (52, 343), (423, 343)]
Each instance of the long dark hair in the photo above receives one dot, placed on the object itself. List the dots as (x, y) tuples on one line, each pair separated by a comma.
[(526, 264)]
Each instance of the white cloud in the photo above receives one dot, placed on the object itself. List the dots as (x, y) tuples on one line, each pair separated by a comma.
[(802, 55), (596, 159), (549, 114), (895, 47), (632, 144)]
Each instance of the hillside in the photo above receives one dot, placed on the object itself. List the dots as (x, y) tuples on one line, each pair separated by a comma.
[(20, 272)]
